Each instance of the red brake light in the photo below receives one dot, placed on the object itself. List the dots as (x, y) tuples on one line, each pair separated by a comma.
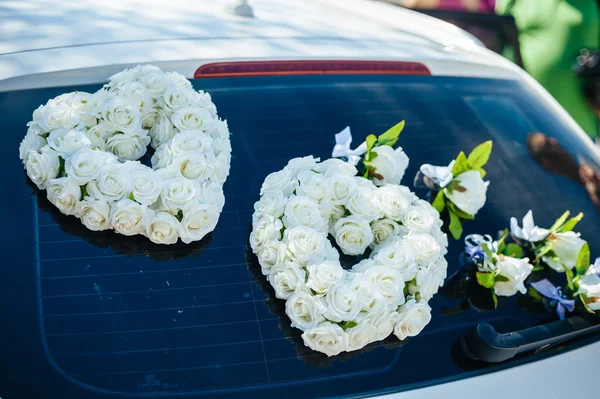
[(274, 68)]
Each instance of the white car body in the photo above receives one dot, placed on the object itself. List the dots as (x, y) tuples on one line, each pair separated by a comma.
[(45, 44)]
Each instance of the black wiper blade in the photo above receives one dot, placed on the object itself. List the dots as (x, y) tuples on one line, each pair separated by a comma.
[(485, 344)]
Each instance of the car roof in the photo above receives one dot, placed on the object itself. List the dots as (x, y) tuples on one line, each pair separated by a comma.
[(52, 43)]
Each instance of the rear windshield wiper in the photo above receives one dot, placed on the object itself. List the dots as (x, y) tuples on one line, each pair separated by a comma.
[(485, 344)]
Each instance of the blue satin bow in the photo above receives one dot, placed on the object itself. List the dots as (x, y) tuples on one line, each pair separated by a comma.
[(562, 303)]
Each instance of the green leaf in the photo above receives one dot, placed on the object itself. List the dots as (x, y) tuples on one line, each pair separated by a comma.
[(542, 251), (455, 226), (583, 259), (571, 223), (485, 279), (536, 296), (559, 222), (487, 250), (461, 165), (585, 305), (179, 215), (513, 250), (501, 279), (390, 137), (371, 140), (495, 299), (61, 167), (461, 214), (501, 244), (131, 197), (481, 171), (480, 155), (537, 268), (438, 202), (348, 324), (569, 275), (84, 192)]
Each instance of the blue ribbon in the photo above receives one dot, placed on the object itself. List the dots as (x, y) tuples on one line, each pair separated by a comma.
[(562, 303)]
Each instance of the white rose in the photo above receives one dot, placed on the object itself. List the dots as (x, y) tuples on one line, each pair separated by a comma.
[(353, 234), (398, 256), (67, 142), (42, 166), (128, 147), (322, 275), (384, 322), (424, 246), (102, 131), (123, 77), (96, 142), (412, 318), (113, 183), (389, 164), (285, 278), (282, 180), (431, 278), (178, 97), (312, 185), (211, 193), (220, 169), (363, 204), (388, 282), (383, 230), (516, 270), (335, 212), (64, 193), (361, 335), (128, 217), (123, 115), (155, 83), (162, 157), (146, 185), (335, 167), (163, 130), (190, 140), (305, 244), (364, 265), (327, 338), (304, 310), (85, 165), (589, 287), (177, 79), (149, 118), (85, 105), (218, 130), (94, 214), (205, 101), (340, 188), (195, 165), (271, 203), (419, 217), (370, 298), (198, 220), (31, 142), (470, 194), (265, 229), (297, 165), (176, 193), (56, 116), (566, 247), (270, 254), (163, 228), (192, 118), (390, 199), (303, 211)]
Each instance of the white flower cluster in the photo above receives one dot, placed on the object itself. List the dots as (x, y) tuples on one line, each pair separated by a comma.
[(83, 149), (344, 310)]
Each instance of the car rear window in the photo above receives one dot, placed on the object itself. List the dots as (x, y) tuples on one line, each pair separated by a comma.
[(93, 313)]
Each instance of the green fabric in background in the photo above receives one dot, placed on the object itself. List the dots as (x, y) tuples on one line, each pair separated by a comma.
[(551, 33)]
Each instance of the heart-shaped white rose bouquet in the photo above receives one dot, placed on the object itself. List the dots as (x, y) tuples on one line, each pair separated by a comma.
[(308, 207), (83, 149)]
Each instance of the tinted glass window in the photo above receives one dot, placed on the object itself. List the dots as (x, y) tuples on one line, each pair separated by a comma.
[(96, 313)]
